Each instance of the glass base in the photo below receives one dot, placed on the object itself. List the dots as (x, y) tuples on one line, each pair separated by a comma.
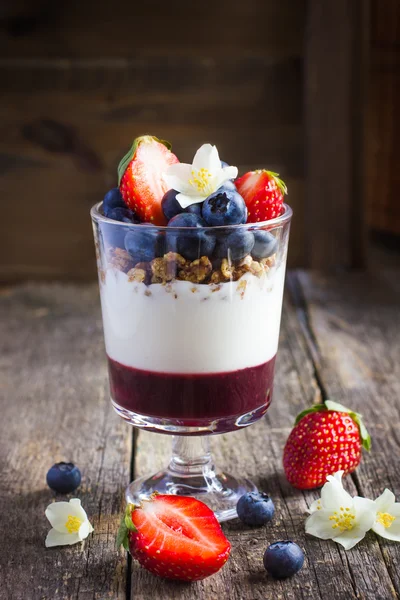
[(185, 427), (220, 492), (191, 472)]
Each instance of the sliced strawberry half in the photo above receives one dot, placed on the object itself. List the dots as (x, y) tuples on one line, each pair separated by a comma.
[(263, 193), (175, 537), (140, 177)]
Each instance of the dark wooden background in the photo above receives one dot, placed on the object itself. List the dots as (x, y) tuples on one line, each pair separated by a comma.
[(259, 79)]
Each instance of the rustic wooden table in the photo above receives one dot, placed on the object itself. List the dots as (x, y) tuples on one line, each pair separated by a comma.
[(339, 338)]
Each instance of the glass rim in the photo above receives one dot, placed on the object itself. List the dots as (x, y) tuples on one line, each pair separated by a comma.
[(271, 224)]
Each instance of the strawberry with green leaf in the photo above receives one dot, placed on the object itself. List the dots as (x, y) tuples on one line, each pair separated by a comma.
[(326, 438), (140, 177), (263, 193), (176, 537)]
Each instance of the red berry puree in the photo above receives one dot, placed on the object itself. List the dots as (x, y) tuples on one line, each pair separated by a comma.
[(195, 397)]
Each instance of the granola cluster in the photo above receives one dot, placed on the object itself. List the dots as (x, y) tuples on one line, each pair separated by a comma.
[(173, 266)]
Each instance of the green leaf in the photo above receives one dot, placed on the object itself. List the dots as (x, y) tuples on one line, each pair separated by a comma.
[(124, 162), (281, 184), (307, 411), (122, 535), (331, 405), (125, 527)]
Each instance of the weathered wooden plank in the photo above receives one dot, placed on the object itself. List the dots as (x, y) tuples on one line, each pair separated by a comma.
[(355, 322), (382, 152), (329, 572), (55, 406), (43, 29), (60, 146), (335, 70)]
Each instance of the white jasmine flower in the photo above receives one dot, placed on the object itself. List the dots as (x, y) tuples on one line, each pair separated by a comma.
[(199, 180), (387, 523), (69, 523), (339, 517)]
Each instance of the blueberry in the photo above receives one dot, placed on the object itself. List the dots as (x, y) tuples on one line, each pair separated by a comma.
[(113, 233), (190, 244), (144, 244), (255, 508), (235, 246), (195, 209), (265, 244), (283, 559), (63, 477), (113, 199), (224, 207), (124, 215), (170, 205)]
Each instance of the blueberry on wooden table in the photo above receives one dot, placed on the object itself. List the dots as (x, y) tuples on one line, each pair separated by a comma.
[(255, 508), (63, 477), (283, 559)]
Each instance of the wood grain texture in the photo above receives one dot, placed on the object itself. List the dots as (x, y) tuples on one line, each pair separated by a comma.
[(383, 147), (329, 572), (55, 406), (60, 146), (335, 71), (339, 337), (96, 29), (355, 320)]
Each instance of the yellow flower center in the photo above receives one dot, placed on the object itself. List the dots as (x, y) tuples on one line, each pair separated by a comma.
[(344, 520), (385, 519), (201, 180), (73, 523)]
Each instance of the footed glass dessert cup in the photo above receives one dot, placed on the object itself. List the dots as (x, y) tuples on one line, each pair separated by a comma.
[(191, 320)]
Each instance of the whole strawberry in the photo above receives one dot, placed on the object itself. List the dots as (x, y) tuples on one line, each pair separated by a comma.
[(140, 177), (176, 537), (263, 193), (326, 438)]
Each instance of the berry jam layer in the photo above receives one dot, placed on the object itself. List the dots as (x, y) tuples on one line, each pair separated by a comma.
[(193, 399)]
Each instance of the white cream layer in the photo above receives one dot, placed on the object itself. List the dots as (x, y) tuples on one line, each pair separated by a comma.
[(189, 328)]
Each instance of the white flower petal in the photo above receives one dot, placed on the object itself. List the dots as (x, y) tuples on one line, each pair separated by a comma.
[(56, 538), (319, 525), (385, 501), (207, 157), (177, 178), (222, 176), (365, 511), (84, 530), (336, 476), (186, 201), (389, 533), (77, 509), (348, 539), (57, 513), (333, 495), (394, 510), (230, 172), (314, 506)]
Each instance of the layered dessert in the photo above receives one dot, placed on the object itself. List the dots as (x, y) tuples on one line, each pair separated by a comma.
[(191, 265)]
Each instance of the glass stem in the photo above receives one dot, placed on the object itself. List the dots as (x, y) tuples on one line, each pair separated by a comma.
[(191, 455)]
